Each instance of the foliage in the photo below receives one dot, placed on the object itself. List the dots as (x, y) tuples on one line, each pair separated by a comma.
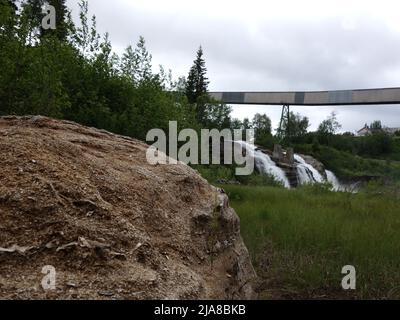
[(262, 127), (329, 126), (376, 125), (295, 126), (72, 73), (347, 165)]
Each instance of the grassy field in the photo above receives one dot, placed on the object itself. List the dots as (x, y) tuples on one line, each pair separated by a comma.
[(300, 239)]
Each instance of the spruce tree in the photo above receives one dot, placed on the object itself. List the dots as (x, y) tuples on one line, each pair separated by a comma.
[(191, 85), (197, 85), (197, 82)]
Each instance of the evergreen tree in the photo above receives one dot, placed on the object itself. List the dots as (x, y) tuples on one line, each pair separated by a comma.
[(197, 86), (197, 82), (209, 113)]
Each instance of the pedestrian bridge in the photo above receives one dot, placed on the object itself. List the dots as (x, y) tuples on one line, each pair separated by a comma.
[(312, 98)]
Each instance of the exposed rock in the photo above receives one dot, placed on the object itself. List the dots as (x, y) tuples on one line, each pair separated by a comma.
[(280, 156), (112, 225), (278, 152)]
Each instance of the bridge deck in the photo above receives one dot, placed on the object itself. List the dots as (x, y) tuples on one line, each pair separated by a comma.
[(312, 98)]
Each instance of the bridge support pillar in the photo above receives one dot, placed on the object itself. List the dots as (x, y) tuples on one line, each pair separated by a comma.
[(283, 130)]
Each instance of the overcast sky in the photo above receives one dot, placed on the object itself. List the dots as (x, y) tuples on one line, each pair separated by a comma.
[(278, 45)]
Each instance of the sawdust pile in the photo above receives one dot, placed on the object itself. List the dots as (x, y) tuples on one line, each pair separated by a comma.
[(86, 202)]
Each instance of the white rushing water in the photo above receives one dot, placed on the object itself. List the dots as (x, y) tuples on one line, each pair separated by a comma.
[(264, 164), (304, 175), (306, 172), (333, 180), (338, 186)]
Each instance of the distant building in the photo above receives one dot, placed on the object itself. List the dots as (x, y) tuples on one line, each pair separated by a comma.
[(363, 131), (367, 130)]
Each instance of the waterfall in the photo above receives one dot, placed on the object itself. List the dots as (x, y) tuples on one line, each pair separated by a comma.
[(333, 180), (264, 164), (304, 175), (267, 166), (338, 186), (306, 172)]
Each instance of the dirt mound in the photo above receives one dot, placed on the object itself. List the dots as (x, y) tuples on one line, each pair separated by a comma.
[(86, 202)]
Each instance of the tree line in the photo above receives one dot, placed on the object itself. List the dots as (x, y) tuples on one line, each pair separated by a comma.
[(72, 73)]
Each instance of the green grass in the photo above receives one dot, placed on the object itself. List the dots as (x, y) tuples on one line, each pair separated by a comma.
[(300, 239)]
